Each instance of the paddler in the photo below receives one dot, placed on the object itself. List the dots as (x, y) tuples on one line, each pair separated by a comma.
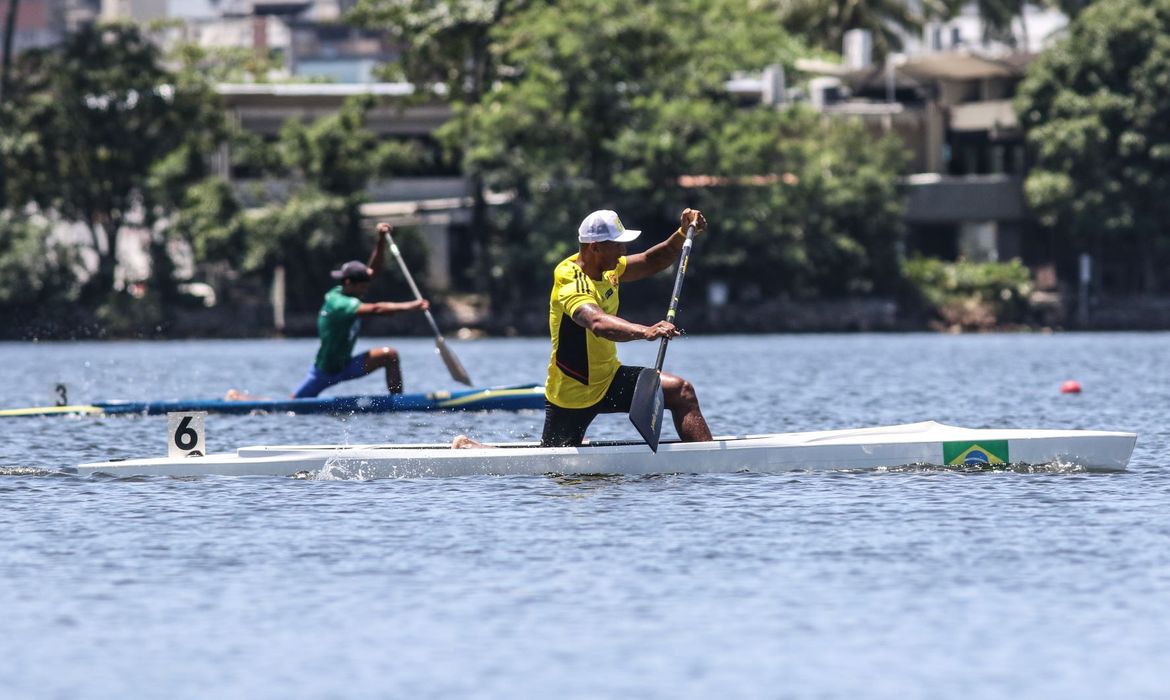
[(585, 377), (339, 321)]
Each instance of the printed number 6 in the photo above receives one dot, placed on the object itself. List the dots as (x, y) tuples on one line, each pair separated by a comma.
[(185, 437)]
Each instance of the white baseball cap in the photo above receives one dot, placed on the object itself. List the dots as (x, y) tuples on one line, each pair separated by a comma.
[(604, 225)]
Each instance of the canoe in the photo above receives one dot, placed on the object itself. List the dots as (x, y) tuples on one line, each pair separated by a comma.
[(510, 398), (926, 443)]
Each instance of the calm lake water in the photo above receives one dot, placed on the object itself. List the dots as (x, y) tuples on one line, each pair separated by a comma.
[(913, 583)]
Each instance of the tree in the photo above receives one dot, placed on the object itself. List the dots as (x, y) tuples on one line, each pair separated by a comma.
[(824, 22), (33, 270), (5, 73), (6, 51), (813, 205), (452, 44), (90, 120), (608, 103), (1096, 111), (323, 169), (1072, 8), (997, 16)]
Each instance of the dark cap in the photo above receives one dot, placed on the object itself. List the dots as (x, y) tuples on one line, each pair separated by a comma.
[(355, 270)]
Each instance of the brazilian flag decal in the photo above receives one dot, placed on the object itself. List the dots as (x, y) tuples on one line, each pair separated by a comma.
[(986, 452)]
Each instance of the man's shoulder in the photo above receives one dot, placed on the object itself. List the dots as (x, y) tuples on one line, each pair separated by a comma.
[(337, 300), (568, 269)]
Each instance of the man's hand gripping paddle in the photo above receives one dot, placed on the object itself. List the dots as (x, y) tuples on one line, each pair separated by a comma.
[(646, 408)]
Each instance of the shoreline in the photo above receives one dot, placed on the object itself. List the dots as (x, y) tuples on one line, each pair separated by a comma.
[(860, 315)]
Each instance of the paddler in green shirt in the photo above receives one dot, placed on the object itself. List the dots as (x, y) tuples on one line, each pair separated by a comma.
[(341, 319)]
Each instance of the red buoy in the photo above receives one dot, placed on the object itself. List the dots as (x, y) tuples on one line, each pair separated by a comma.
[(1071, 386)]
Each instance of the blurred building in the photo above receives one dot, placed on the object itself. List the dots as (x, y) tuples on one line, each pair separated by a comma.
[(42, 23), (435, 199), (948, 96), (308, 35)]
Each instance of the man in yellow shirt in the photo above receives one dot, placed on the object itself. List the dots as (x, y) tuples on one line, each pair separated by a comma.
[(585, 377)]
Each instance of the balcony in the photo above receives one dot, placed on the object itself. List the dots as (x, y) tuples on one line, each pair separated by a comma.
[(943, 199)]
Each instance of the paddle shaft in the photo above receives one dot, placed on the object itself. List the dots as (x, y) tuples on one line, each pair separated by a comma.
[(648, 402), (678, 282), (410, 281), (454, 366)]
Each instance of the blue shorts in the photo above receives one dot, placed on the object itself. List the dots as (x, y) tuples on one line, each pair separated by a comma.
[(317, 381)]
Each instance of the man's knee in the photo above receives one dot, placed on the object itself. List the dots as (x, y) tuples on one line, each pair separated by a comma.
[(678, 391), (383, 357)]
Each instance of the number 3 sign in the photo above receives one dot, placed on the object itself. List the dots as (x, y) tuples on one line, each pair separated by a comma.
[(185, 434)]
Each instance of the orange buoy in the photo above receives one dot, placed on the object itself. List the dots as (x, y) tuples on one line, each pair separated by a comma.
[(1071, 386)]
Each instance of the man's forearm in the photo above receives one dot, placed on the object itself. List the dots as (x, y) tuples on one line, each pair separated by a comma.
[(618, 329), (382, 308), (606, 326), (663, 255), (379, 256)]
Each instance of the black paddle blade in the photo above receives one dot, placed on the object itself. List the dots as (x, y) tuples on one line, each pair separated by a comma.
[(646, 406)]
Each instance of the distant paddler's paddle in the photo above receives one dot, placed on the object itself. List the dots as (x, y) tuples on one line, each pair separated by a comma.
[(454, 366), (648, 402)]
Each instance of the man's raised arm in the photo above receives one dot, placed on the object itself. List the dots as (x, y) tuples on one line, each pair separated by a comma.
[(659, 257), (379, 254)]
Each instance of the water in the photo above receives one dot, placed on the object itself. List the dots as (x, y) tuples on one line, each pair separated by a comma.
[(915, 583)]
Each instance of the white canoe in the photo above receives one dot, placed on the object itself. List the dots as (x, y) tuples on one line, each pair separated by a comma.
[(926, 443)]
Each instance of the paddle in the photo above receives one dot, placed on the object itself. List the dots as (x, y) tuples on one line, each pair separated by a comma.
[(648, 402), (454, 366)]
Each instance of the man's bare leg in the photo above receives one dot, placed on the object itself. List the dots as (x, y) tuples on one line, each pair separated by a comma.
[(386, 357), (465, 443), (462, 442), (237, 395), (683, 403)]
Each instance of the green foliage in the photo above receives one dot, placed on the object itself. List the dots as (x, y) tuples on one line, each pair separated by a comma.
[(448, 40), (312, 219), (122, 314), (337, 153), (87, 124), (229, 64), (302, 229), (34, 270), (998, 16), (824, 22), (971, 295), (611, 101), (1096, 108), (1072, 8), (805, 206), (212, 221)]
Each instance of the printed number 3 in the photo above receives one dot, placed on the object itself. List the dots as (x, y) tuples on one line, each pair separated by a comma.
[(62, 397), (185, 437)]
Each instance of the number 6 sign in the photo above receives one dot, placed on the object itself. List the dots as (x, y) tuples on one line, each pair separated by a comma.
[(185, 434)]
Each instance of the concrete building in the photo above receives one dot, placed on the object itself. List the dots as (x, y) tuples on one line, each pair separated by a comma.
[(39, 23), (308, 35), (437, 204), (949, 97), (950, 103)]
